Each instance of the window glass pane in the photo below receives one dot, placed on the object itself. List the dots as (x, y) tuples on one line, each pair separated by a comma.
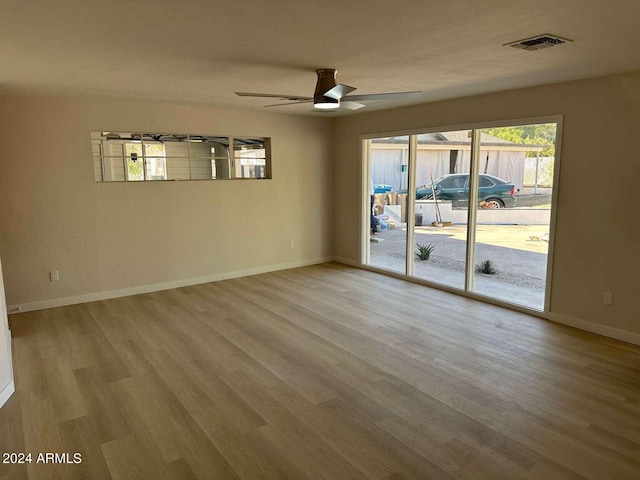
[(156, 168), (135, 171), (177, 168), (133, 150), (114, 169), (514, 213), (131, 156), (250, 157), (177, 157), (441, 206), (154, 150), (485, 182), (201, 151), (454, 181), (96, 147), (97, 169), (154, 157), (386, 204), (135, 164)]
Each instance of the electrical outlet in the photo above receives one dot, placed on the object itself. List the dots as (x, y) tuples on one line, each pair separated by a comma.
[(292, 244), (54, 275), (607, 298)]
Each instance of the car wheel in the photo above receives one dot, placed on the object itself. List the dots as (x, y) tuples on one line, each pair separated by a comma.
[(494, 203)]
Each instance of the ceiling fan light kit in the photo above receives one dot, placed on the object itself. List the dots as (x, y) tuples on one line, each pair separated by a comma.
[(329, 104), (328, 94)]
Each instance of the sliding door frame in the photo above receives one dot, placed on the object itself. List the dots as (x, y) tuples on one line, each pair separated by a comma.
[(411, 206), (472, 213)]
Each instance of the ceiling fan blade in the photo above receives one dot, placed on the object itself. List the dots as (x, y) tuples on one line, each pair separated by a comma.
[(383, 96), (351, 105), (338, 91), (272, 95), (299, 102)]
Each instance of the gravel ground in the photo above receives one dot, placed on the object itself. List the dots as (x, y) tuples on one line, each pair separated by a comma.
[(508, 277), (516, 258), (458, 266)]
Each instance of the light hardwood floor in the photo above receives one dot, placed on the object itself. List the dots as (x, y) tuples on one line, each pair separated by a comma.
[(325, 372)]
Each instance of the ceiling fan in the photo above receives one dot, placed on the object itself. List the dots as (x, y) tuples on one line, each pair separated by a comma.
[(330, 95)]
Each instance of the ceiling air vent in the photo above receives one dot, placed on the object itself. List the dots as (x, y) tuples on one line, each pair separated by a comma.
[(538, 42)]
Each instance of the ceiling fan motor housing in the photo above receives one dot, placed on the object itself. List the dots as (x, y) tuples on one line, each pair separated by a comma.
[(329, 95), (326, 81)]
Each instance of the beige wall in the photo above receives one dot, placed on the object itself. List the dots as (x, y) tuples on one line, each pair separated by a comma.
[(111, 236), (598, 231)]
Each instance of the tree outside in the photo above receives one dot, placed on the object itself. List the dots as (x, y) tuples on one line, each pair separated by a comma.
[(542, 134)]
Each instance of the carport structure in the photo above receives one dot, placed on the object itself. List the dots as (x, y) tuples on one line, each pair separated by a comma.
[(446, 152)]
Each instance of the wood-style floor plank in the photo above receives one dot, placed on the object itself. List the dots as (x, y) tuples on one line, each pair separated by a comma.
[(321, 372), (11, 438)]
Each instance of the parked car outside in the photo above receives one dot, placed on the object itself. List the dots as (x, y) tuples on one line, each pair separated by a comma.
[(493, 192)]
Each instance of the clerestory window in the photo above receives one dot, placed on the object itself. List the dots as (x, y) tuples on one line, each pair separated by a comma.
[(139, 157)]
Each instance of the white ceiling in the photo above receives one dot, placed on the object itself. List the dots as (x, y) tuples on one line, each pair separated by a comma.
[(202, 51)]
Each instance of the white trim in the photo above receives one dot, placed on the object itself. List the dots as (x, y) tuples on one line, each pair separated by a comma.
[(9, 388), (6, 392), (592, 327), (365, 186), (155, 287), (412, 165), (472, 213), (510, 122), (351, 263), (554, 212)]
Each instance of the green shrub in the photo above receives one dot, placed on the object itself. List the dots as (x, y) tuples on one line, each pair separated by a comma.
[(486, 266), (424, 251)]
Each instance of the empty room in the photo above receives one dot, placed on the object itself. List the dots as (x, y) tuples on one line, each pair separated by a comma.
[(336, 240)]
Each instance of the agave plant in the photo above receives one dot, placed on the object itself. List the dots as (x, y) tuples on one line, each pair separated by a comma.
[(486, 266), (424, 250)]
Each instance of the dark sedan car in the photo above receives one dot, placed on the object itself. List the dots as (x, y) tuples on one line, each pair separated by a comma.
[(493, 192)]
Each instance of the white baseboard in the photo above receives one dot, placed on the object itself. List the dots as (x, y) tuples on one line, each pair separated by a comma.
[(347, 261), (6, 393), (604, 330), (598, 328), (105, 295)]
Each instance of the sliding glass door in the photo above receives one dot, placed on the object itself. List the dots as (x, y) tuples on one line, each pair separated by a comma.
[(388, 184), (513, 219), (467, 209), (441, 203)]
